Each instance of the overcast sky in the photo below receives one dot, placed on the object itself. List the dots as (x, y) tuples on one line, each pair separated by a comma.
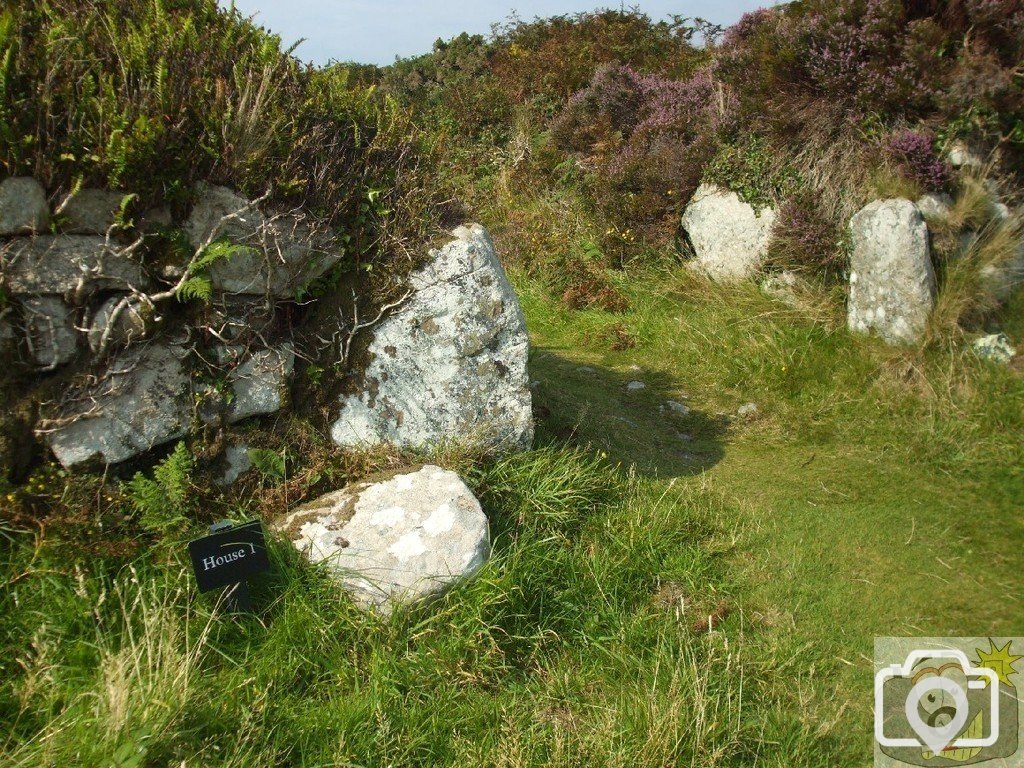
[(376, 31)]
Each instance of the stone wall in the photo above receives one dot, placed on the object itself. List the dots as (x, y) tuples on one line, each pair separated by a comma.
[(123, 352)]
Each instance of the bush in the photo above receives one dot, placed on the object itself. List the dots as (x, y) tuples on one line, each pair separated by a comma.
[(151, 96), (805, 239), (914, 154)]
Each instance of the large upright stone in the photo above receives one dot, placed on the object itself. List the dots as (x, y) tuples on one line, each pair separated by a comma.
[(892, 283), (23, 206), (402, 539), (450, 362), (141, 401), (67, 263), (729, 238), (277, 256)]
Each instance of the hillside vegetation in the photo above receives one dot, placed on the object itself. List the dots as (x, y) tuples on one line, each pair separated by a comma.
[(695, 585)]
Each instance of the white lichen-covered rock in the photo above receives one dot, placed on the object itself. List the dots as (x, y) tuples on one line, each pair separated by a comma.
[(450, 362), (277, 255), (141, 401), (935, 206), (996, 347), (67, 264), (91, 211), (406, 538), (960, 155), (50, 330), (23, 206), (728, 236), (892, 283)]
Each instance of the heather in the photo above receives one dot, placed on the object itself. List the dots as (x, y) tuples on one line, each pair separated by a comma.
[(184, 91)]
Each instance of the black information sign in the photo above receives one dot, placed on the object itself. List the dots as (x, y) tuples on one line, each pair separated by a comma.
[(229, 555)]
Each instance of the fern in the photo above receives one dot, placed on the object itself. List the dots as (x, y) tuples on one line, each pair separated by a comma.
[(216, 251), (195, 288), (163, 500), (269, 463)]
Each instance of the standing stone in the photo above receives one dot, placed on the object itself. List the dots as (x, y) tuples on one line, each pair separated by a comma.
[(892, 283), (50, 327), (406, 538), (729, 238), (91, 211), (141, 401), (23, 206), (450, 362)]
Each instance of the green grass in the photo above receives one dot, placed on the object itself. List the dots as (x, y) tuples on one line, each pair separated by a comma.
[(875, 492)]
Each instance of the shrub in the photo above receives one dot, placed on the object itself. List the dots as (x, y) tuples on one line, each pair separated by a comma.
[(914, 154), (805, 239), (151, 96), (747, 168)]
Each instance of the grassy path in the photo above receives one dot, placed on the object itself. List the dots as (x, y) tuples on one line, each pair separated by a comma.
[(860, 509)]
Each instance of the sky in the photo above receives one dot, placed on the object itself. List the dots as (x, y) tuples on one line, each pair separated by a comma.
[(376, 31)]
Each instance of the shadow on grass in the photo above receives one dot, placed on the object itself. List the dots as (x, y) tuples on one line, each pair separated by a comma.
[(589, 403)]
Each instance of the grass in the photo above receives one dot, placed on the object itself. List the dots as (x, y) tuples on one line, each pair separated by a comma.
[(697, 589)]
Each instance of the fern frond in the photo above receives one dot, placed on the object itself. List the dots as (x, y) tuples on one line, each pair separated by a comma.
[(195, 288)]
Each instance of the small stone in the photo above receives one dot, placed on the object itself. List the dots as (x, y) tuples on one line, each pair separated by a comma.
[(259, 381), (586, 369), (995, 347), (407, 538), (260, 384), (935, 206), (236, 462), (748, 410), (635, 386), (91, 211), (684, 437), (676, 407), (278, 257), (960, 155), (23, 206), (783, 287), (634, 368), (156, 218), (50, 325), (130, 324)]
